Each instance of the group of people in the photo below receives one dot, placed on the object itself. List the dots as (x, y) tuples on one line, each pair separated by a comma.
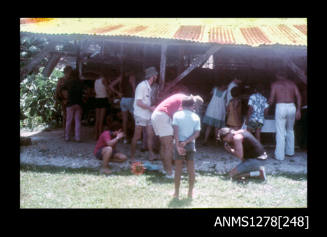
[(177, 123)]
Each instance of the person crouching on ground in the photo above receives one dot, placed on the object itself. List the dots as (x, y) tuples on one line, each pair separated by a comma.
[(187, 126), (248, 149), (105, 148)]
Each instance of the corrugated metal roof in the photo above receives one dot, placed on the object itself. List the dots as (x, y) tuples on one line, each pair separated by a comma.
[(226, 31)]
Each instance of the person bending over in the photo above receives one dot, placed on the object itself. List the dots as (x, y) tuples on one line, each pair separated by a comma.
[(248, 149)]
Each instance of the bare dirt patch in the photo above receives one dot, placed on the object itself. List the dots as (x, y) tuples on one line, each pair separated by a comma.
[(49, 148)]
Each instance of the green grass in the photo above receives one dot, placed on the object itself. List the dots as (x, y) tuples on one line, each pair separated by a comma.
[(52, 187)]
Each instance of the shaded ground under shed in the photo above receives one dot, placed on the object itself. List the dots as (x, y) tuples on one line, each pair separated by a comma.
[(49, 148)]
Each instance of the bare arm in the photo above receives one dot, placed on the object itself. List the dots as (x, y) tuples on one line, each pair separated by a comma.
[(113, 84), (180, 149), (194, 136), (116, 139), (58, 96), (265, 112), (132, 82), (250, 110), (237, 149), (272, 94), (298, 103), (144, 106)]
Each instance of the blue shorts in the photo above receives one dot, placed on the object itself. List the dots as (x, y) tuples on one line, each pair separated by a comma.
[(127, 104)]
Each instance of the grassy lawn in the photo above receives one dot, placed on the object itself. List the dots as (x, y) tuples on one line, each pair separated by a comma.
[(52, 187)]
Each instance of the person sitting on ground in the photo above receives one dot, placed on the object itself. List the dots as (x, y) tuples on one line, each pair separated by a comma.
[(258, 109), (234, 110), (105, 148), (187, 126), (248, 149)]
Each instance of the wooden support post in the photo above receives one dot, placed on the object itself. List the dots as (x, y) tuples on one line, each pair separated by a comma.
[(163, 66), (121, 58), (78, 58), (180, 66), (52, 63), (196, 63), (144, 57)]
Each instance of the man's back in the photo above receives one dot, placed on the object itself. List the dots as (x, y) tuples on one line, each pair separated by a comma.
[(285, 91)]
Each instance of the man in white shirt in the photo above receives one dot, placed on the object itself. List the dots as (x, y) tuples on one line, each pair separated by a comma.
[(143, 111)]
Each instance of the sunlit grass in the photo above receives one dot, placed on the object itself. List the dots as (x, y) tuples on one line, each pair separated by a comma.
[(49, 187)]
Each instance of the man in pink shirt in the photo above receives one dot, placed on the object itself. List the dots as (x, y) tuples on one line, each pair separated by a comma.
[(105, 149), (161, 120)]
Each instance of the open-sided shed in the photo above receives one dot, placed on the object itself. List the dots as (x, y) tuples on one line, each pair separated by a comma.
[(181, 44), (196, 52)]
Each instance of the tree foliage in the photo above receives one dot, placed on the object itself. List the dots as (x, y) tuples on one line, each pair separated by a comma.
[(37, 93)]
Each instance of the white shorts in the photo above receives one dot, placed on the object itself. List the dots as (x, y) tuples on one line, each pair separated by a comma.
[(139, 121), (161, 124)]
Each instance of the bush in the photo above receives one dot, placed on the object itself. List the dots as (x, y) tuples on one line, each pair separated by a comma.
[(37, 100)]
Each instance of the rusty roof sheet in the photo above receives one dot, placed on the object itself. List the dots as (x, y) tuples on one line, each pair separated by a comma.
[(226, 31)]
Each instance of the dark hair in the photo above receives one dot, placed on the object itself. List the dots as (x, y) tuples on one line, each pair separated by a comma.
[(281, 73), (68, 69), (223, 132), (235, 91), (188, 101), (114, 126)]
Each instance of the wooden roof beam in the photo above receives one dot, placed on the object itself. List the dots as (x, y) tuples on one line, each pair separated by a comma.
[(53, 61), (196, 63), (35, 61)]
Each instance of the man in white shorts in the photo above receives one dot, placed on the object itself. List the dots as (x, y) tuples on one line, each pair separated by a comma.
[(161, 120), (143, 111)]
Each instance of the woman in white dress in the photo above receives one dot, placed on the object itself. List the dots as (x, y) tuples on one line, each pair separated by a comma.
[(216, 111)]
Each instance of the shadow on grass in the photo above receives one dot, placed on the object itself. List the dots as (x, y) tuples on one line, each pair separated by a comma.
[(179, 203), (152, 176)]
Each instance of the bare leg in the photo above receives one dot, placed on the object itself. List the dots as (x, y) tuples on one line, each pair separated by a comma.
[(102, 114), (106, 155), (150, 136), (97, 119), (125, 117), (136, 137), (207, 133), (119, 157), (258, 134), (191, 177), (178, 173), (166, 153), (64, 115), (216, 132)]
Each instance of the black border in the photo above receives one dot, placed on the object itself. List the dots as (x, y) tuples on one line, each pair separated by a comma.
[(143, 220)]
